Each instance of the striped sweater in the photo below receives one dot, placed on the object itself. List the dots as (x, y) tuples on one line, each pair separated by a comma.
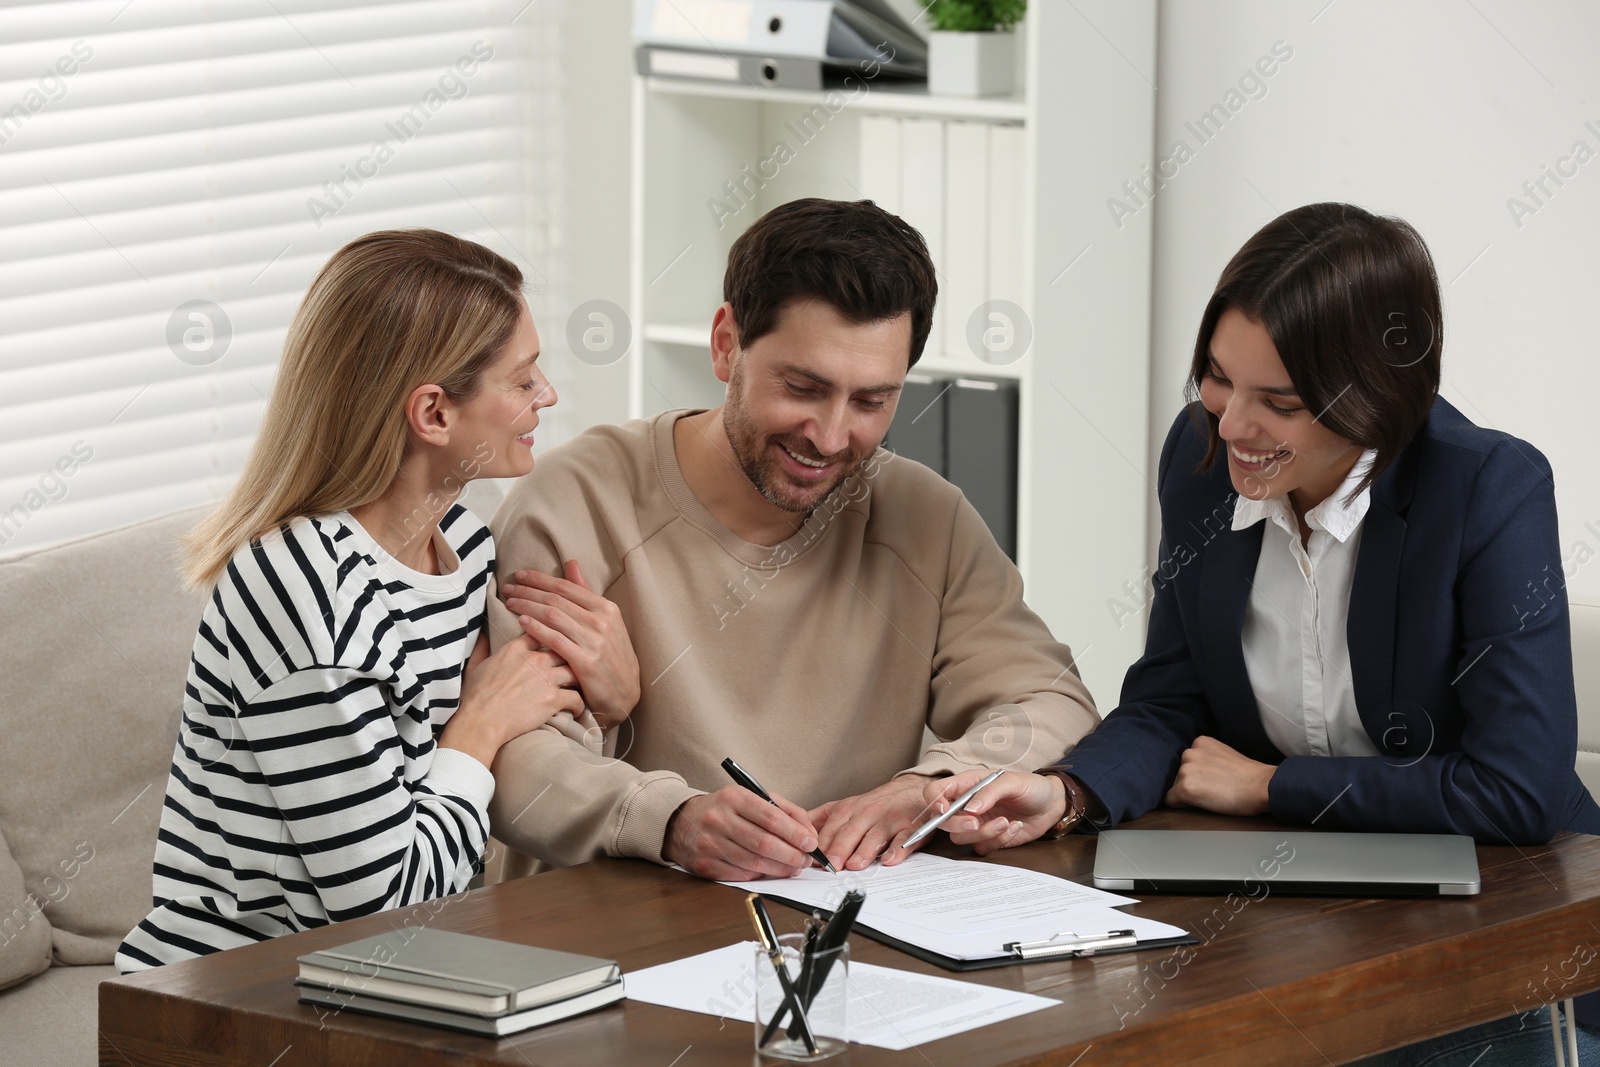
[(306, 787)]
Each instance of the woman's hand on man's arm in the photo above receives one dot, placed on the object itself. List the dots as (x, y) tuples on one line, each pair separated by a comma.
[(518, 688), (586, 630)]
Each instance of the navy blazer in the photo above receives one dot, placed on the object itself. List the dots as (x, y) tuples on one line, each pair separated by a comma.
[(1460, 650)]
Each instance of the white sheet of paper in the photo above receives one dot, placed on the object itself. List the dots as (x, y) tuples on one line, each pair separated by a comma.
[(965, 909), (889, 1008), (941, 894)]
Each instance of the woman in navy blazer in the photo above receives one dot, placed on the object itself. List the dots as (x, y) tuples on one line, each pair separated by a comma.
[(1460, 652), (1316, 372), (1426, 684)]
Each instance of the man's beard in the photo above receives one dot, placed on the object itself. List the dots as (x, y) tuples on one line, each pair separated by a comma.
[(750, 448)]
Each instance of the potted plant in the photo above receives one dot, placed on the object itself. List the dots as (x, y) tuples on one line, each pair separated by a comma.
[(971, 50)]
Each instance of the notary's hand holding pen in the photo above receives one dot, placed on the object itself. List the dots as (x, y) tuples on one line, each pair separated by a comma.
[(1011, 810)]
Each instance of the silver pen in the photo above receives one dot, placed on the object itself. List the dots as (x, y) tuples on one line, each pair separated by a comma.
[(938, 820)]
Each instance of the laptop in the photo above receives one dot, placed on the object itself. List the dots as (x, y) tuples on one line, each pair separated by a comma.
[(1255, 862)]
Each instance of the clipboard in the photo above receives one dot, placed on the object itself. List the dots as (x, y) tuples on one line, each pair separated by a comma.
[(1058, 948)]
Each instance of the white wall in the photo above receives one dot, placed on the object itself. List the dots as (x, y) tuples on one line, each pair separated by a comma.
[(1434, 111)]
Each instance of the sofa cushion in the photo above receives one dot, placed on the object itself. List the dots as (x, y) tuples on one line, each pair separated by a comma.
[(97, 651), (24, 931), (53, 1019)]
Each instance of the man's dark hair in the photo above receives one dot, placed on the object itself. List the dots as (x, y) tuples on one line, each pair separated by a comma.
[(1351, 302), (867, 264)]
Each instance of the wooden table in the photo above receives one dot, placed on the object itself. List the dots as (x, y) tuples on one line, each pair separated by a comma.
[(1276, 980)]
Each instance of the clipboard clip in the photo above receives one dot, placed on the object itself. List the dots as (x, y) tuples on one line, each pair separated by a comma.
[(1068, 943)]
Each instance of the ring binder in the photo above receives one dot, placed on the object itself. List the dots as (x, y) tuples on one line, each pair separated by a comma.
[(779, 44)]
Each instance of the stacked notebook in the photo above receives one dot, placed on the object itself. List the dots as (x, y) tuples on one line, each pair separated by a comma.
[(458, 981)]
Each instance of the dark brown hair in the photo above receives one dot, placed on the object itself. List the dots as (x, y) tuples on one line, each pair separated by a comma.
[(867, 264), (1351, 302)]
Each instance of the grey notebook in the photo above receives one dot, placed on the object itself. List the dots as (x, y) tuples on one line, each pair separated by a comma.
[(494, 1026), (1257, 862), (457, 972)]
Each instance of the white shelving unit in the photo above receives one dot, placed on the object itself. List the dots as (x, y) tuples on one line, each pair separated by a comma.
[(890, 98), (1088, 115)]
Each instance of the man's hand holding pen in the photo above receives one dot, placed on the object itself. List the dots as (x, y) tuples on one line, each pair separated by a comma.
[(733, 835)]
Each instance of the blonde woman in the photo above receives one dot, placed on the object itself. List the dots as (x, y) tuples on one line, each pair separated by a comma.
[(342, 710)]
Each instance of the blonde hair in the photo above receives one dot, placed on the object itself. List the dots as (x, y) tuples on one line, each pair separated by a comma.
[(389, 312)]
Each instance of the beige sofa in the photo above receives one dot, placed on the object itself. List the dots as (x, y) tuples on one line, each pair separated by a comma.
[(96, 636)]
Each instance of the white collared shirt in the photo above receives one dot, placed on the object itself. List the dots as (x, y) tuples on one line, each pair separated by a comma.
[(1296, 647)]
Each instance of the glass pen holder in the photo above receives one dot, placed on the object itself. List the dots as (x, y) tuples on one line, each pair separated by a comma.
[(820, 983)]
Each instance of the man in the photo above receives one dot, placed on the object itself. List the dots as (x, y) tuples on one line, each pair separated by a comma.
[(796, 598)]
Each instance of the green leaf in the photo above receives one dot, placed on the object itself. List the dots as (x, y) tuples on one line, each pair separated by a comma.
[(976, 16)]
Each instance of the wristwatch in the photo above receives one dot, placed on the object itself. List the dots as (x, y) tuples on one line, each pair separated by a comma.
[(1077, 803)]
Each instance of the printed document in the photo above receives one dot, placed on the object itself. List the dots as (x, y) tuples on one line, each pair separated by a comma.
[(888, 1008)]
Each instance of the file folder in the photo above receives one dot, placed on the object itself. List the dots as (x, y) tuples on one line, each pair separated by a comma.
[(839, 30), (761, 72), (918, 431), (794, 44), (922, 196), (880, 161), (964, 271), (981, 452), (965, 430)]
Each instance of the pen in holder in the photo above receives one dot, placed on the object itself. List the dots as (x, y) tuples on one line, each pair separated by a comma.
[(802, 995), (821, 982)]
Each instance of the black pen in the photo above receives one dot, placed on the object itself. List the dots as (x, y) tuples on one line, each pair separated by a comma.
[(768, 938), (829, 942), (803, 984), (742, 777), (808, 957)]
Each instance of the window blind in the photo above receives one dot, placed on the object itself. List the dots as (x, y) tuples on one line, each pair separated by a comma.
[(172, 175)]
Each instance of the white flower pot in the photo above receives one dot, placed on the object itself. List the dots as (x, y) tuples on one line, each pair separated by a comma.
[(971, 64)]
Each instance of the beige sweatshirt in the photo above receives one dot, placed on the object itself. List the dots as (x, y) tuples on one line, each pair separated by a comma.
[(815, 663)]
